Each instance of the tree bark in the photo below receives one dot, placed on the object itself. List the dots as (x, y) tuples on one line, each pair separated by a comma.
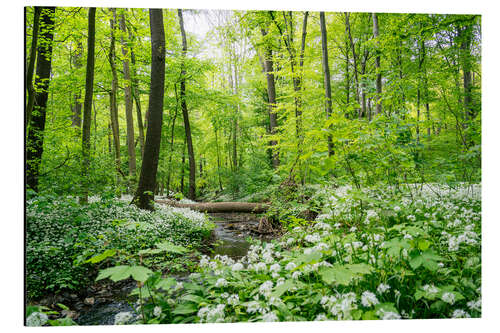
[(113, 108), (378, 83), (218, 158), (354, 58), (76, 108), (128, 103), (87, 106), (147, 181), (172, 141), (31, 65), (183, 162), (220, 207), (326, 76), (364, 60), (271, 94), (189, 140), (34, 145), (465, 45), (137, 97)]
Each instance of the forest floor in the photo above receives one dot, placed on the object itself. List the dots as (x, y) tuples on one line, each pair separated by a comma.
[(371, 254)]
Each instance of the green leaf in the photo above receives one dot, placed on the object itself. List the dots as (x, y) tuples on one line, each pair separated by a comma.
[(369, 315), (116, 273), (338, 274), (282, 288), (360, 268), (428, 259), (170, 247), (166, 284), (395, 245), (193, 298), (140, 273), (122, 272), (150, 251), (423, 244), (100, 257), (185, 308), (308, 258)]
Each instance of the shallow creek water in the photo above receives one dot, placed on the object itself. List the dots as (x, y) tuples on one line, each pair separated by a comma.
[(230, 234)]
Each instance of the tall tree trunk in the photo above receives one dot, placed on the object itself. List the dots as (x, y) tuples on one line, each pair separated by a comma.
[(347, 79), (378, 83), (113, 108), (326, 76), (189, 140), (218, 159), (76, 108), (183, 162), (354, 58), (298, 79), (172, 141), (34, 145), (363, 112), (147, 181), (110, 142), (465, 45), (87, 107), (137, 97), (235, 121), (128, 103), (31, 64), (271, 94)]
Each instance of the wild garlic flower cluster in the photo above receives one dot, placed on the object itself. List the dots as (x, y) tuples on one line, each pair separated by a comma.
[(345, 257)]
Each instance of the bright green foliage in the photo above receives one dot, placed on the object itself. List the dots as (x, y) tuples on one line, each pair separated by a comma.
[(342, 269), (363, 238), (66, 240)]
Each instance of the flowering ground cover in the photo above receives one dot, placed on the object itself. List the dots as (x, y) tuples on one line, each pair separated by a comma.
[(67, 242), (371, 254)]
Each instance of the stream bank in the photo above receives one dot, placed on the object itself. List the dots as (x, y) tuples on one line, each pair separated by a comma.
[(229, 238)]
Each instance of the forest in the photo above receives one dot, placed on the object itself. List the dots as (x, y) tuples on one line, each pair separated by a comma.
[(209, 166)]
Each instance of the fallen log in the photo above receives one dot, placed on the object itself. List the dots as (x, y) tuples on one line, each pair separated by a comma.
[(220, 207)]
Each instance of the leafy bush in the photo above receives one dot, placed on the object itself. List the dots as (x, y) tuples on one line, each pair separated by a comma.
[(64, 238), (372, 254)]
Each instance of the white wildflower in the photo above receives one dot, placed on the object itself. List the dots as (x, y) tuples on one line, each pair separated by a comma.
[(265, 288), (382, 288), (237, 267), (157, 311), (37, 319), (314, 238), (459, 313), (123, 318), (253, 307), (221, 283), (270, 317), (388, 315), (320, 317), (368, 299), (260, 267), (430, 289), (275, 268), (474, 305), (234, 299), (448, 298)]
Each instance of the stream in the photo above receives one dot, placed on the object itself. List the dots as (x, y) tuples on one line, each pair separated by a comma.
[(230, 235)]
